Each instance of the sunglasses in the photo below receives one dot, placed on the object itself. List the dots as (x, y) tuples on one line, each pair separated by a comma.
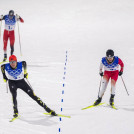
[(110, 57), (11, 62)]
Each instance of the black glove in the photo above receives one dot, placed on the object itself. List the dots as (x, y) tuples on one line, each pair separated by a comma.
[(26, 75), (5, 79), (101, 74), (120, 73)]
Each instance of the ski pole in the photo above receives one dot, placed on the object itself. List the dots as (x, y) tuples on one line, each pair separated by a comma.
[(124, 85), (100, 86), (19, 38), (29, 84), (7, 86)]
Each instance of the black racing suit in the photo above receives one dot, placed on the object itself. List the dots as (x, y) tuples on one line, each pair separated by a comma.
[(22, 84)]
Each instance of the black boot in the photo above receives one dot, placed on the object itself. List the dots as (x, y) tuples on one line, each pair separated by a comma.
[(97, 102), (15, 112), (15, 115), (53, 113), (50, 111), (111, 101), (5, 57)]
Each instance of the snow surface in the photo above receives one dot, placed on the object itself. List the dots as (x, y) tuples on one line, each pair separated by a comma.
[(86, 29)]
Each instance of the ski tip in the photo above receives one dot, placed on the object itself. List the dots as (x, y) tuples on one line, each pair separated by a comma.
[(14, 118), (83, 108), (64, 116), (60, 115), (92, 106)]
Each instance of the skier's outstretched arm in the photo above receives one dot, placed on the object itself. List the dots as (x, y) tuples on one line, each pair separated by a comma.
[(100, 69), (24, 64), (18, 18), (3, 72), (122, 67), (2, 18)]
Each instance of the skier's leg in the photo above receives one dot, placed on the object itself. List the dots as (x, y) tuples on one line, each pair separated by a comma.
[(12, 49), (27, 89), (13, 90), (113, 86), (12, 40), (103, 87), (5, 40), (114, 78), (104, 84)]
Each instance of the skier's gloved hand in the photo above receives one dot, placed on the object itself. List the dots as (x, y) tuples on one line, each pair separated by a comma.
[(26, 75), (120, 73), (18, 17), (5, 79), (101, 73), (1, 17)]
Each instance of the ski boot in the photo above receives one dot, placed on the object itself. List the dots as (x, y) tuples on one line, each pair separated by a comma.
[(50, 111), (53, 113), (111, 101), (97, 102), (15, 115), (15, 111), (5, 57)]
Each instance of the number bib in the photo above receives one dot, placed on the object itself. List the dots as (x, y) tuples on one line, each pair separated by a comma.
[(10, 23)]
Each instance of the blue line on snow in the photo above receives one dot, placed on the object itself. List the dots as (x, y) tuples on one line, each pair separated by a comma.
[(63, 86), (59, 129)]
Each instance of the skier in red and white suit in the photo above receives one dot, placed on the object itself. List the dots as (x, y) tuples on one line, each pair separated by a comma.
[(10, 21), (111, 64)]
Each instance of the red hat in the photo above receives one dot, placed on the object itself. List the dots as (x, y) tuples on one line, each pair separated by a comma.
[(12, 57)]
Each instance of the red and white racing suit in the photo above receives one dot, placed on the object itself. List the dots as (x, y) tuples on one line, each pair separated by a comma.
[(111, 70), (9, 31)]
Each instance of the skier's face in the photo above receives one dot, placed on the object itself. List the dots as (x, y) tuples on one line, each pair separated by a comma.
[(110, 59), (13, 64)]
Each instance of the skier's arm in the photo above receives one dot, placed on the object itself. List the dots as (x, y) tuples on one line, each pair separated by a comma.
[(3, 72), (121, 65), (24, 65), (2, 18), (19, 18), (100, 69)]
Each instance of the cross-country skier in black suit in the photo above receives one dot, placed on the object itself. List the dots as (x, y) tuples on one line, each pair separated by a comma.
[(16, 80)]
